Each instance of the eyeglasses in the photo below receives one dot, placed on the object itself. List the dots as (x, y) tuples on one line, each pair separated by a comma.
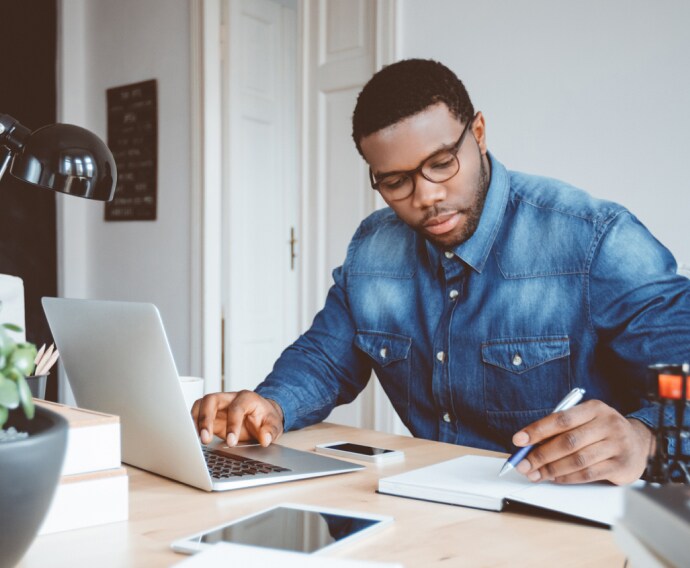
[(437, 168)]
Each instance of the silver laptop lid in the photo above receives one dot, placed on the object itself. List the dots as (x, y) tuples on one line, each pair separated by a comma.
[(118, 360)]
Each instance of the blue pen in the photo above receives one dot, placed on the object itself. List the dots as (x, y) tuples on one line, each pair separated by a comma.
[(571, 399)]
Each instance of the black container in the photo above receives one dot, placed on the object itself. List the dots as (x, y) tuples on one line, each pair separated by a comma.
[(29, 474)]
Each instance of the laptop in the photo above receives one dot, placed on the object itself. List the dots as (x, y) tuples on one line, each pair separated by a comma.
[(118, 361)]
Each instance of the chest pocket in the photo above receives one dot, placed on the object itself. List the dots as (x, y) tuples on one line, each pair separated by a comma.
[(390, 354), (526, 374), (384, 348)]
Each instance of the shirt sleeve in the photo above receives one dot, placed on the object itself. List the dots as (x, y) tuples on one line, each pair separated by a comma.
[(323, 368), (639, 308)]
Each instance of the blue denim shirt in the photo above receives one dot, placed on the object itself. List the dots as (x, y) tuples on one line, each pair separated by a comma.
[(554, 290)]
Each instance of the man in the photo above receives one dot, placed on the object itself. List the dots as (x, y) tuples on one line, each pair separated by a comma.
[(480, 297)]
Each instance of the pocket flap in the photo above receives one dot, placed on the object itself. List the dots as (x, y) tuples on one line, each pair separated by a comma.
[(524, 353), (382, 347)]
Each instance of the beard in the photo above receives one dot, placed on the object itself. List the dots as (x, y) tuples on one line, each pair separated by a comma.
[(472, 213)]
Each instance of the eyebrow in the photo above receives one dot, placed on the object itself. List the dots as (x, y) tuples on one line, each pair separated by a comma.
[(441, 148)]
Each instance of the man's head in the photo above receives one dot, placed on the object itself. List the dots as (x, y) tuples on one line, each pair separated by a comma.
[(403, 89), (415, 126)]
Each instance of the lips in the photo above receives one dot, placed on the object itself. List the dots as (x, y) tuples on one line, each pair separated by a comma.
[(442, 224)]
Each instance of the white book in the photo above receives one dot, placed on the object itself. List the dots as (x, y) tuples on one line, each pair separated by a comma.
[(88, 499), (638, 554), (659, 516), (93, 439), (472, 481), (226, 554)]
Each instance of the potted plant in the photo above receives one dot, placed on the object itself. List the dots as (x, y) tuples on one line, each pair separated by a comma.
[(32, 448)]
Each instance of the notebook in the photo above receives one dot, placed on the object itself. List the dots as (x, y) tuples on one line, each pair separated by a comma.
[(118, 361), (472, 481)]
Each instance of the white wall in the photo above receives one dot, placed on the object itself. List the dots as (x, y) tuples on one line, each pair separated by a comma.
[(104, 44), (594, 92)]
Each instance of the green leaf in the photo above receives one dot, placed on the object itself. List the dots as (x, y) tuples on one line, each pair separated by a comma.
[(26, 398), (12, 327), (6, 342), (4, 413), (22, 359), (9, 394)]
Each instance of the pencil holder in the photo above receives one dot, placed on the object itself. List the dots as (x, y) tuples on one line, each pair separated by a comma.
[(670, 392), (37, 385)]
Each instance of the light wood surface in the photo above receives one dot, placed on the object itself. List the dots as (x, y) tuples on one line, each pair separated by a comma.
[(423, 535)]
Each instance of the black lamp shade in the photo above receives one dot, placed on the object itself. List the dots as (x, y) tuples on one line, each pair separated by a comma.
[(68, 159)]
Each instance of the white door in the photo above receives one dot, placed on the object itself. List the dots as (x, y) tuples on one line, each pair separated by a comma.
[(345, 42), (260, 196)]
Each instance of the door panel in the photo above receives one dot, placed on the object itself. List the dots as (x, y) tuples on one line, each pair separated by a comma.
[(260, 190)]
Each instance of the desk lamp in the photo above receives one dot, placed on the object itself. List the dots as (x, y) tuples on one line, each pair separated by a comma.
[(60, 157)]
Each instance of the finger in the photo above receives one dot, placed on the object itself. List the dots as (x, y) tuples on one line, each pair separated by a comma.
[(555, 423), (237, 413), (207, 414), (265, 426), (600, 471), (581, 464), (566, 444)]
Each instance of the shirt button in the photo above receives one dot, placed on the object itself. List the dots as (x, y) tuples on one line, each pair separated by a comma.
[(383, 352), (440, 356), (517, 360), (453, 294), (449, 254), (446, 417)]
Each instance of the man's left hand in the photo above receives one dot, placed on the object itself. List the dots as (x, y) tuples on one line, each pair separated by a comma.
[(589, 442)]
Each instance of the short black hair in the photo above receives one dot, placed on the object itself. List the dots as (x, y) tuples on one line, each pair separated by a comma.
[(403, 89)]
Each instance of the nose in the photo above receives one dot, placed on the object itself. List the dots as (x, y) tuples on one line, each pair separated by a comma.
[(427, 193)]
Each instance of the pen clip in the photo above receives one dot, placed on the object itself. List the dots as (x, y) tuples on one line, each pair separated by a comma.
[(570, 400)]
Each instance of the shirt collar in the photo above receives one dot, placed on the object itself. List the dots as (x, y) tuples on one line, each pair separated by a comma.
[(476, 249)]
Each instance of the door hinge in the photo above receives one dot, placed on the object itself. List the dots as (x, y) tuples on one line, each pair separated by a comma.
[(293, 242)]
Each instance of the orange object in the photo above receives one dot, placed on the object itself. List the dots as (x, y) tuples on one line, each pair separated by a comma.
[(670, 386)]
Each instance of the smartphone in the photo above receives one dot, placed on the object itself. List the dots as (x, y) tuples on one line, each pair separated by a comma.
[(360, 452)]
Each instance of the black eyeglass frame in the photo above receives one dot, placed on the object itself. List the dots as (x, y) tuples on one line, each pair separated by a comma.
[(412, 174)]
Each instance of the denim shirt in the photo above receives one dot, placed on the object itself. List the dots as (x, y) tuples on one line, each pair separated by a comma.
[(555, 290)]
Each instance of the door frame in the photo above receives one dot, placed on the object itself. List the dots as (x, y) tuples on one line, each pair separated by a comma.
[(206, 183)]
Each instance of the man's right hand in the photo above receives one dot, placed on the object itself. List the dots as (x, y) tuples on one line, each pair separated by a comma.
[(237, 416)]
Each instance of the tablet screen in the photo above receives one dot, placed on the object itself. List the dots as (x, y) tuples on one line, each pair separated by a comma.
[(289, 529)]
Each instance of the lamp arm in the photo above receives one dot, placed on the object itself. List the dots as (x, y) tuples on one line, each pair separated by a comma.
[(12, 134), (5, 158)]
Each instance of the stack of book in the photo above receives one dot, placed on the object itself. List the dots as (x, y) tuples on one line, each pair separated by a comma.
[(93, 488), (655, 527)]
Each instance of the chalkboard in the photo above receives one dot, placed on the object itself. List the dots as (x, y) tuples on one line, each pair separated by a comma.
[(133, 140)]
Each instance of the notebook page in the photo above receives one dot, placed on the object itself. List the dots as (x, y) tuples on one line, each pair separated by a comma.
[(600, 502)]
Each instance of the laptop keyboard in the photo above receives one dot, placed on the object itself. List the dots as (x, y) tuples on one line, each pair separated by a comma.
[(226, 466)]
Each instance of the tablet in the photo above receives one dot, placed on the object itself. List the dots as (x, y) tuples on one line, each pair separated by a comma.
[(300, 528)]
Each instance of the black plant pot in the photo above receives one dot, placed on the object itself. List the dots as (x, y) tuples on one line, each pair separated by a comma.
[(29, 473)]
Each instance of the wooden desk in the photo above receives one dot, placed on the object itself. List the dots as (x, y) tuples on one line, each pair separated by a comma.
[(423, 534)]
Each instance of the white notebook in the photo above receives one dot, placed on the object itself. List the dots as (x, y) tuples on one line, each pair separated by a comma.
[(472, 481)]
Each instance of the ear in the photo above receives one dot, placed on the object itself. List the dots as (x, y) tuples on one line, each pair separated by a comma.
[(479, 131)]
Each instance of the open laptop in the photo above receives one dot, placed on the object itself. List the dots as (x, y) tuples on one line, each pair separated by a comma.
[(118, 361)]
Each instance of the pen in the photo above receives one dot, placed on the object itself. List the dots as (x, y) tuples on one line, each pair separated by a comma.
[(570, 400)]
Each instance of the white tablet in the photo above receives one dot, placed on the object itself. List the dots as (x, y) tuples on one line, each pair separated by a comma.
[(300, 528)]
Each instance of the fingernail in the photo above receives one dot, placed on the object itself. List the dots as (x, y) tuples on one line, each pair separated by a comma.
[(534, 476), (521, 439), (232, 440), (268, 439), (523, 467)]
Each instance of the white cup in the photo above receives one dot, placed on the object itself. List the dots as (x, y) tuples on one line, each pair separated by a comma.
[(192, 389)]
